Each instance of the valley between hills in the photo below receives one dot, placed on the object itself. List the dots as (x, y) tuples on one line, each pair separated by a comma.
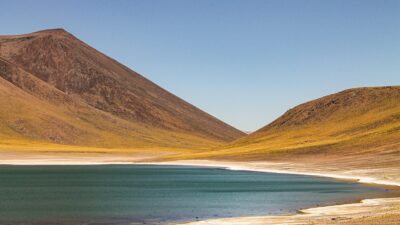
[(63, 102)]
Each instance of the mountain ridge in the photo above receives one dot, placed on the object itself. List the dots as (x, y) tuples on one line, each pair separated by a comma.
[(58, 60), (357, 121)]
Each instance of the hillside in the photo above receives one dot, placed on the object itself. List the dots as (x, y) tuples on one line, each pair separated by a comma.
[(353, 123), (56, 89)]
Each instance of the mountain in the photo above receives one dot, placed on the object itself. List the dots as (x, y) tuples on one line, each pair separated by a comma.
[(55, 88), (355, 122)]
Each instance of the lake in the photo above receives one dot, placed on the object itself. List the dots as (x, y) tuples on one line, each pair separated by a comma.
[(149, 194)]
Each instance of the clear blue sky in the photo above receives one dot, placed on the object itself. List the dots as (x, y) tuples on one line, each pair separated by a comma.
[(245, 62)]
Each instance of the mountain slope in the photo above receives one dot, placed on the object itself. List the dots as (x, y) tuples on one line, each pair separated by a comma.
[(354, 122), (83, 97), (34, 111)]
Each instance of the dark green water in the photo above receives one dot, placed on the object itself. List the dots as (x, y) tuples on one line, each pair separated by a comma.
[(126, 194)]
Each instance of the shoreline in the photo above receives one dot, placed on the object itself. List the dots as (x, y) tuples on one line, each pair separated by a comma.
[(232, 166), (305, 216)]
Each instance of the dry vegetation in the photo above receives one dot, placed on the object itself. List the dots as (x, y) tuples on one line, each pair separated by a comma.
[(355, 122), (56, 89)]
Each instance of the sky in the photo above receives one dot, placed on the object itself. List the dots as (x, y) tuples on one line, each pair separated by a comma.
[(243, 61)]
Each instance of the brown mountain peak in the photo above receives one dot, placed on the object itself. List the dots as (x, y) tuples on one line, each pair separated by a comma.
[(55, 30), (52, 33), (65, 63)]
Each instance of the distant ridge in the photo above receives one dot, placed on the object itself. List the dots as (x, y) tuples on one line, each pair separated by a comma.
[(359, 122), (95, 97)]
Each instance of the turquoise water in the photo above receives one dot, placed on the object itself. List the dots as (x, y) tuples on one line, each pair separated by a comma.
[(126, 194)]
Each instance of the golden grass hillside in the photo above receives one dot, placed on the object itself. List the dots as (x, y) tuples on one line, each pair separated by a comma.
[(56, 92), (355, 122), (69, 65), (26, 120)]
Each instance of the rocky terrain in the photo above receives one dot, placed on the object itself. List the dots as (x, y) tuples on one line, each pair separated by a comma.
[(57, 89)]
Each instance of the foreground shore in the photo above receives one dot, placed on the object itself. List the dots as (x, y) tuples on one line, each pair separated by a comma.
[(369, 211)]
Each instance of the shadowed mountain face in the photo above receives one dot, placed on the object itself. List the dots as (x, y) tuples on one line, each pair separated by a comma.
[(59, 70), (354, 123)]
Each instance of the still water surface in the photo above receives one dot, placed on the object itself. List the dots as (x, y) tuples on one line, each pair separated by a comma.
[(126, 194)]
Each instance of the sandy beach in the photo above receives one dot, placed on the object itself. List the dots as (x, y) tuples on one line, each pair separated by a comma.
[(368, 211)]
